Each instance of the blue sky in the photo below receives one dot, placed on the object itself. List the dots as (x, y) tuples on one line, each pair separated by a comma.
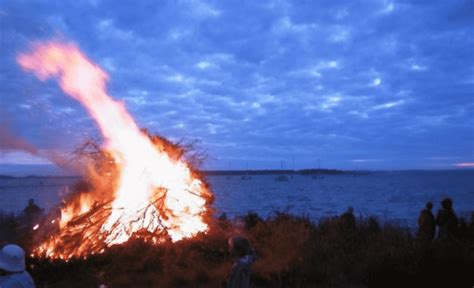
[(362, 84)]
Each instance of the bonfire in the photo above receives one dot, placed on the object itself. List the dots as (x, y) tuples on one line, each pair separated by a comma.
[(140, 186)]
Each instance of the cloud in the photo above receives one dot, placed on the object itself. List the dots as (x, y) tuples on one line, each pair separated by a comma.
[(389, 105), (260, 80), (331, 102), (107, 29), (464, 165), (204, 65), (365, 160), (376, 82), (20, 157), (286, 25), (340, 35), (416, 67), (203, 9), (388, 8)]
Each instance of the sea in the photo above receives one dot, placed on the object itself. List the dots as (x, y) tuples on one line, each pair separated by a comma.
[(397, 196)]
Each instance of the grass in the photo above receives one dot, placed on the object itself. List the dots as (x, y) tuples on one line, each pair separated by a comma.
[(293, 251)]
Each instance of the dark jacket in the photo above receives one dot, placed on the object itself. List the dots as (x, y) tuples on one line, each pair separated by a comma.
[(426, 225), (17, 280), (239, 276), (447, 222)]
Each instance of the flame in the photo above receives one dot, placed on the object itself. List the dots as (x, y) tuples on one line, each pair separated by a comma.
[(154, 191)]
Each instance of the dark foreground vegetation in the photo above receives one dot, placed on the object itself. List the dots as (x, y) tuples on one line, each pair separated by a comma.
[(292, 251)]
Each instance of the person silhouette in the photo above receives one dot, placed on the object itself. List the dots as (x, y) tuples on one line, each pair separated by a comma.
[(427, 223), (347, 220), (32, 213), (12, 268), (446, 220), (239, 276)]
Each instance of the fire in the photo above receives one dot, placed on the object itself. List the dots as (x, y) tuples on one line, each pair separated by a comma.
[(151, 192)]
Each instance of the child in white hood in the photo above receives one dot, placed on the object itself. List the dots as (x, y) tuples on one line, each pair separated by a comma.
[(12, 268)]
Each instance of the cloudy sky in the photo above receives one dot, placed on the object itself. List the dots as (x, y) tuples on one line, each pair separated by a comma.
[(360, 84)]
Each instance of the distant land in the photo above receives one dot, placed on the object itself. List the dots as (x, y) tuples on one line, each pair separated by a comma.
[(36, 176), (261, 172), (9, 171), (21, 170), (279, 172), (218, 172)]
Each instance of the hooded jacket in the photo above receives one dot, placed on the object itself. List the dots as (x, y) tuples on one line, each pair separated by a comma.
[(239, 276), (17, 280)]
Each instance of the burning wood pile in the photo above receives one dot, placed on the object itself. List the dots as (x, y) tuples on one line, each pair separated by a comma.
[(140, 186)]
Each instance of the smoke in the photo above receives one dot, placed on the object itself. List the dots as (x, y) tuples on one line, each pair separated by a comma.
[(8, 141)]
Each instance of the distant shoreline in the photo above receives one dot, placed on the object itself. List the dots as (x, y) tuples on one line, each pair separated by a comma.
[(265, 172), (225, 173), (37, 176)]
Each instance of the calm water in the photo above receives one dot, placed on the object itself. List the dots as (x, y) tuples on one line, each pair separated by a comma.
[(388, 195)]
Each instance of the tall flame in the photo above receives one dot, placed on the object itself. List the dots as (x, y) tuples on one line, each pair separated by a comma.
[(146, 173)]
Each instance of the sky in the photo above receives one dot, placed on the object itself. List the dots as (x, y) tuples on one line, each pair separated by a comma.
[(259, 84)]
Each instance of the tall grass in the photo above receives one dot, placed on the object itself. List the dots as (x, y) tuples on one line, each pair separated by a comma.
[(292, 251)]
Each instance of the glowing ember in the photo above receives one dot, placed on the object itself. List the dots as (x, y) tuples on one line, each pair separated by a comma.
[(155, 193)]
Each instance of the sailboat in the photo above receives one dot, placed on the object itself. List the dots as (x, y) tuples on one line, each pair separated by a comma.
[(282, 177), (229, 177), (318, 175), (246, 176)]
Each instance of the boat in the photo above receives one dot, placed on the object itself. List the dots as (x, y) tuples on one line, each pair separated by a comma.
[(246, 176), (282, 178), (318, 174)]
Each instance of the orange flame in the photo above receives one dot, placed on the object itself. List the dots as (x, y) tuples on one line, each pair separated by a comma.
[(147, 174)]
